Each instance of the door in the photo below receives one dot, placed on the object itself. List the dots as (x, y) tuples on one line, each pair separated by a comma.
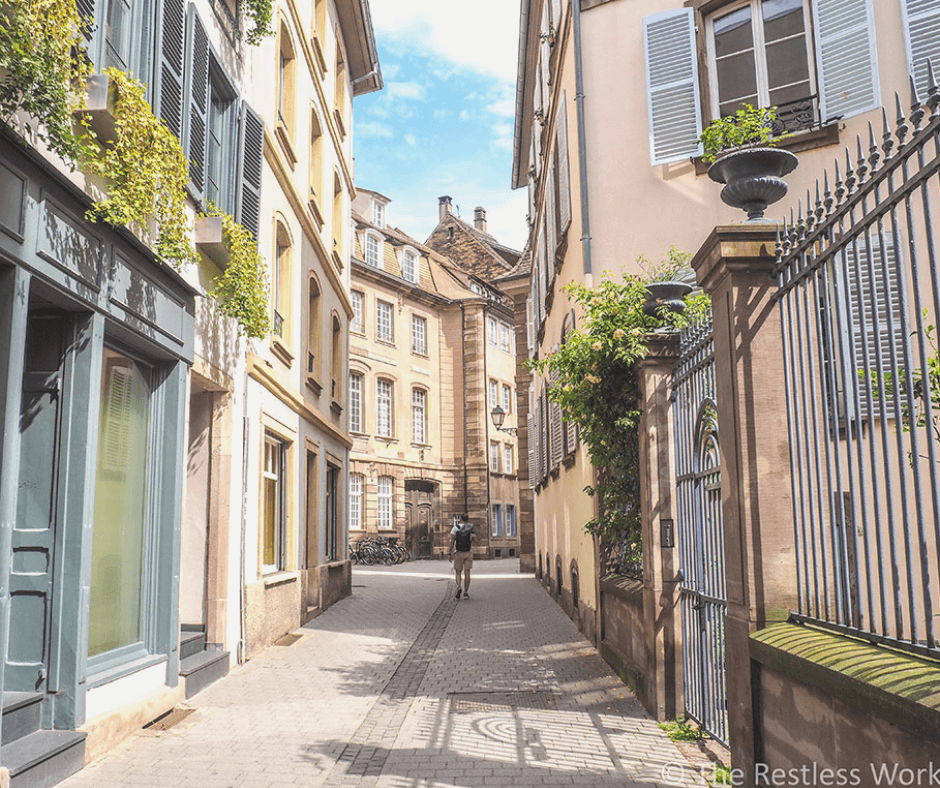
[(34, 531)]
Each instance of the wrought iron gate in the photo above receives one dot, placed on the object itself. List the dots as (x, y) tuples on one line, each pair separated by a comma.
[(700, 535)]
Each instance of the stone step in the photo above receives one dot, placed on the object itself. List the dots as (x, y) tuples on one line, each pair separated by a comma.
[(21, 712), (201, 669), (192, 642), (43, 758)]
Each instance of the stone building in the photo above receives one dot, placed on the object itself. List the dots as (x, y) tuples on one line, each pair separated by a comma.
[(430, 355)]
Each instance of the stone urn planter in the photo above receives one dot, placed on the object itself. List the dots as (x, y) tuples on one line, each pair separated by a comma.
[(665, 294), (753, 178)]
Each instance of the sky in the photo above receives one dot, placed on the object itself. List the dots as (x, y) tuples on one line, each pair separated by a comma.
[(443, 125)]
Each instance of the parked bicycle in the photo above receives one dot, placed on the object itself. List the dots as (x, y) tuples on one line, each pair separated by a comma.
[(371, 550)]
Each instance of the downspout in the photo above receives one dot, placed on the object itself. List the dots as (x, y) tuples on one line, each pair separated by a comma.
[(463, 359), (582, 141), (242, 612), (486, 422)]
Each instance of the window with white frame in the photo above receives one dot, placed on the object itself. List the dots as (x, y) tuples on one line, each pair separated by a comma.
[(494, 394), (273, 475), (355, 502), (496, 521), (510, 520), (373, 251), (419, 335), (505, 337), (386, 486), (384, 321), (419, 400), (355, 402), (409, 265), (378, 214), (358, 303), (507, 398), (383, 408), (492, 331), (494, 456), (507, 460)]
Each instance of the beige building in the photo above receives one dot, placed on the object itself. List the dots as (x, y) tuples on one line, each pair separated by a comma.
[(431, 355)]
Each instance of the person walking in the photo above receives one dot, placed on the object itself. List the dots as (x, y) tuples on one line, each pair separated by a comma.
[(461, 552)]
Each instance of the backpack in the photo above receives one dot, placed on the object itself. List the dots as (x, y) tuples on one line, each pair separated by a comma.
[(463, 538)]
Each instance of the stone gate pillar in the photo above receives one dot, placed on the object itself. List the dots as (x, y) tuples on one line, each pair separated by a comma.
[(734, 267)]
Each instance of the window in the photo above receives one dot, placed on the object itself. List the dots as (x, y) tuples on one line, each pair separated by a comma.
[(282, 280), (373, 251), (378, 214), (496, 520), (760, 54), (285, 80), (494, 456), (507, 459), (314, 321), (385, 487), (505, 337), (337, 357), (358, 300), (418, 415), (494, 394), (383, 402), (220, 142), (507, 398), (355, 402), (384, 330), (419, 331), (355, 502), (274, 503), (316, 155), (511, 520), (410, 265), (492, 331)]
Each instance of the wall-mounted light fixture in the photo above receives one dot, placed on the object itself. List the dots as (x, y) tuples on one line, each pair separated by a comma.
[(498, 415), (667, 533)]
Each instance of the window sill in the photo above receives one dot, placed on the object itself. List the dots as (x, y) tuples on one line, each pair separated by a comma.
[(801, 141), (315, 211), (336, 408), (384, 342), (283, 137), (280, 350), (314, 385), (419, 354), (338, 261), (280, 578), (340, 126), (318, 54), (386, 439)]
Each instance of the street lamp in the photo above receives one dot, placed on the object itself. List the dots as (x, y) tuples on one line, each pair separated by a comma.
[(498, 415)]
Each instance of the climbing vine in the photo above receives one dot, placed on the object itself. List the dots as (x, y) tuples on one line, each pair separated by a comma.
[(41, 60), (242, 291), (146, 171), (261, 13), (597, 388)]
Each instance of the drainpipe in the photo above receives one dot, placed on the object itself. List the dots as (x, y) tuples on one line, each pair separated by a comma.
[(242, 613), (582, 142), (486, 423), (463, 358)]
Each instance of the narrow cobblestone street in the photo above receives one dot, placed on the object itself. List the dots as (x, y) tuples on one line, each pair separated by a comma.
[(401, 686)]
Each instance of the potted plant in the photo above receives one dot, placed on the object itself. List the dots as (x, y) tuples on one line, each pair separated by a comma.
[(741, 151), (667, 283)]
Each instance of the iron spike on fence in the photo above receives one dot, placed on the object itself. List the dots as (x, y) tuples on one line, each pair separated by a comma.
[(810, 213), (874, 155), (861, 165), (887, 138), (917, 109), (933, 90), (850, 179), (840, 186), (827, 193), (902, 128)]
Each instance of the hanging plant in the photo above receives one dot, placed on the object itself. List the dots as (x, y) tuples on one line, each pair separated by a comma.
[(146, 173), (41, 59), (598, 389), (261, 13), (242, 291)]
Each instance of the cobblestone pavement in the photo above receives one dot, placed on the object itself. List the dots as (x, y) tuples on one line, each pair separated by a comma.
[(401, 686)]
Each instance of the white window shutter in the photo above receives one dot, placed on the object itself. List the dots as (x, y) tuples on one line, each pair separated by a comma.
[(533, 456), (845, 54), (556, 425), (675, 114), (922, 38), (551, 236), (564, 176)]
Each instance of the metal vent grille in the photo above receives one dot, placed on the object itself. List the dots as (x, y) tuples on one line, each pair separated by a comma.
[(471, 702)]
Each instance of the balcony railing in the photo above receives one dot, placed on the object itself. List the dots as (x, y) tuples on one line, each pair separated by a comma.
[(311, 358), (278, 324), (798, 115)]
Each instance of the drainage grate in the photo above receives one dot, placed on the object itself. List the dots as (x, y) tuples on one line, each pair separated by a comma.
[(470, 702), (287, 640), (168, 720)]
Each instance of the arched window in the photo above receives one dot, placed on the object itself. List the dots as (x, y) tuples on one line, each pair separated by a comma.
[(281, 284), (373, 250), (316, 156), (409, 265), (339, 228), (285, 80), (336, 361), (314, 331)]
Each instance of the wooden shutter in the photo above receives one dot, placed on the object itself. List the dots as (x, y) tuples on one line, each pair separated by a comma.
[(564, 175), (533, 451), (845, 55), (922, 38), (556, 426), (171, 44), (675, 115), (197, 101), (87, 11), (551, 237), (251, 153), (571, 438)]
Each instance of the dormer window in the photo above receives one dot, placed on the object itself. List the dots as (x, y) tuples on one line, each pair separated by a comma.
[(409, 265), (373, 251), (378, 214)]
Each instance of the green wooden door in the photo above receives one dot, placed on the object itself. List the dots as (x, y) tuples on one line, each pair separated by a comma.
[(34, 532)]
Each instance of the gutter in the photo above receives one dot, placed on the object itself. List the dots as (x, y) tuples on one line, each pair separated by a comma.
[(520, 90), (582, 140)]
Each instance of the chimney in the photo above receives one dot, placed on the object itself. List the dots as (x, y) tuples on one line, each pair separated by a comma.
[(443, 207), (479, 218)]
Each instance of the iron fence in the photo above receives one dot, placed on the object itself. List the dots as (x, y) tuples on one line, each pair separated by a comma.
[(859, 297)]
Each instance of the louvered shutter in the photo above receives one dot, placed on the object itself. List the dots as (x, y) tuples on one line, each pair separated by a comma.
[(556, 426), (547, 433), (540, 261), (922, 38), (571, 438), (197, 98), (171, 44), (551, 236), (845, 54), (675, 114), (564, 175), (87, 11), (533, 463), (546, 55), (539, 441), (251, 153)]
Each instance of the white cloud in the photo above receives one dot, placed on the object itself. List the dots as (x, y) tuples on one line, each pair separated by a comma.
[(405, 90), (374, 130), (464, 115), (503, 138), (482, 36), (411, 140)]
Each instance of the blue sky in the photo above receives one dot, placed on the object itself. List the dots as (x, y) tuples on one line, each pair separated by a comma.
[(444, 122)]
